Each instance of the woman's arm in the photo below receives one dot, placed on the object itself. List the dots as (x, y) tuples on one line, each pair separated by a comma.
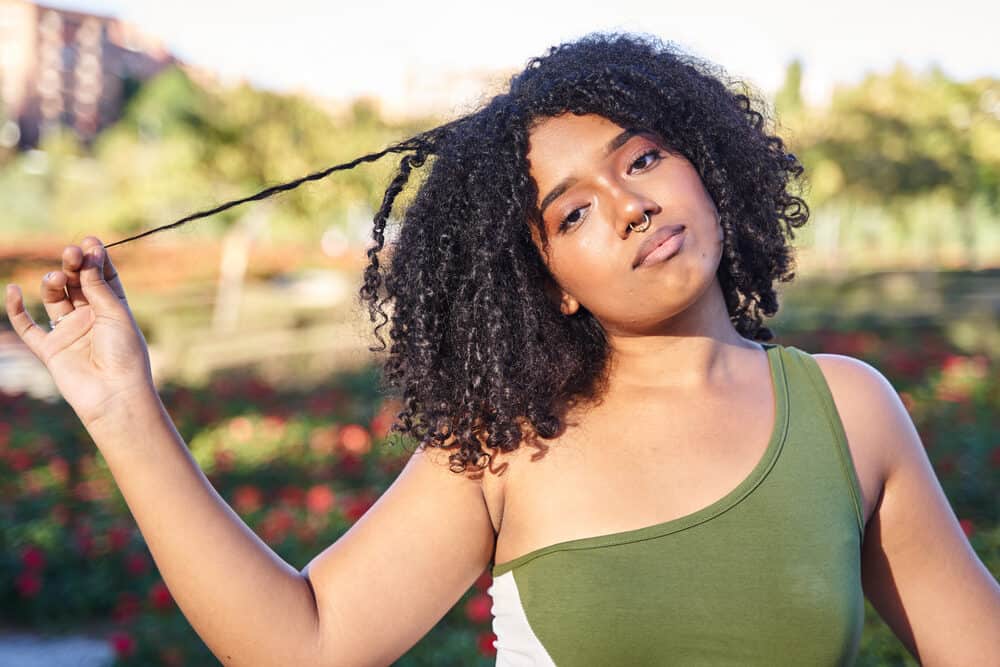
[(364, 601), (918, 569), (248, 605)]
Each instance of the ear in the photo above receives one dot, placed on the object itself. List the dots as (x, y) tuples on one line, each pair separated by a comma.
[(569, 305)]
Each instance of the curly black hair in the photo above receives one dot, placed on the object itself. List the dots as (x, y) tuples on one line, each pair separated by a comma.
[(481, 355)]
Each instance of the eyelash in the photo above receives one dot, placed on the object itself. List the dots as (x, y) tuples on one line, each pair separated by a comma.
[(658, 154)]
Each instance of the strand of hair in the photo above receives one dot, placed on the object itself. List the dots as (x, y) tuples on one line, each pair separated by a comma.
[(410, 144)]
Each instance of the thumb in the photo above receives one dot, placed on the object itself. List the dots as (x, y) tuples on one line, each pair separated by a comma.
[(92, 282)]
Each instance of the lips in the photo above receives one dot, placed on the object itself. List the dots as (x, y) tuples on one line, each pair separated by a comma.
[(655, 239)]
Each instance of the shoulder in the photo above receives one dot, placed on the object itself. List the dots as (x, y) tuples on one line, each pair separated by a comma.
[(853, 377), (871, 409), (857, 380), (937, 612)]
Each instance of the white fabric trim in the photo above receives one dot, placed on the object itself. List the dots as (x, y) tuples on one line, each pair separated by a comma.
[(516, 643)]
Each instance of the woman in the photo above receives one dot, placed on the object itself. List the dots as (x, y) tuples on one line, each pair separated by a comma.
[(577, 290)]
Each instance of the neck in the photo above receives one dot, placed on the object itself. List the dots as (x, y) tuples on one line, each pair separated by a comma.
[(698, 349)]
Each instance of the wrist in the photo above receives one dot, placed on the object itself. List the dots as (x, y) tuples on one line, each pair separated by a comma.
[(128, 409)]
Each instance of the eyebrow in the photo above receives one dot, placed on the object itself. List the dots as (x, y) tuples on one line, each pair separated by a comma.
[(565, 184)]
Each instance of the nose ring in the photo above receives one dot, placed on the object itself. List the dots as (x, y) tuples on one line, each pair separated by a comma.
[(645, 224)]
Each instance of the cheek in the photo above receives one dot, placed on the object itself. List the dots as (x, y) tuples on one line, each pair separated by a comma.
[(588, 272)]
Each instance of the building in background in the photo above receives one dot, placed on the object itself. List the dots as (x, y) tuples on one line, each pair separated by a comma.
[(67, 68)]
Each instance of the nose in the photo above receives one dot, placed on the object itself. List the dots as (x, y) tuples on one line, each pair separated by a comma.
[(629, 206)]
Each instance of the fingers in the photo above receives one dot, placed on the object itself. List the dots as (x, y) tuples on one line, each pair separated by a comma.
[(85, 278), (110, 273), (95, 289), (72, 262), (54, 296), (72, 258), (24, 326)]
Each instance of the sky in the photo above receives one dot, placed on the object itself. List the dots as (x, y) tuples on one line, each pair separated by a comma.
[(342, 49)]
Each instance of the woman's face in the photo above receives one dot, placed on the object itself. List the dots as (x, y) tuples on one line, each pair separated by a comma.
[(594, 178)]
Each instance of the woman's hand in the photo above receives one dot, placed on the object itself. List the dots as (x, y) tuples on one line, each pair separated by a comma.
[(96, 354)]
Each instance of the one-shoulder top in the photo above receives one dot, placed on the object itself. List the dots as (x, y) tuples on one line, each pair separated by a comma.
[(769, 574)]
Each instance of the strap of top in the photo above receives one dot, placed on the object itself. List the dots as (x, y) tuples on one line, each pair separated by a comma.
[(801, 362)]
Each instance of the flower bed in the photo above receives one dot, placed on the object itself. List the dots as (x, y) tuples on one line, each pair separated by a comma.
[(300, 466)]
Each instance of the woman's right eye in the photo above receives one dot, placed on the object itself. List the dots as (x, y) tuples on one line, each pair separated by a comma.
[(571, 219)]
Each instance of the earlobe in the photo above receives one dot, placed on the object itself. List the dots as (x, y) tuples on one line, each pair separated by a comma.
[(569, 305)]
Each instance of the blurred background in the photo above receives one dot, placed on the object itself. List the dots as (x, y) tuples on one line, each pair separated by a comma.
[(117, 117)]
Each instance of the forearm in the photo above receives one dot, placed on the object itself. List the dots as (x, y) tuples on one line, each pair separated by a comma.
[(248, 605)]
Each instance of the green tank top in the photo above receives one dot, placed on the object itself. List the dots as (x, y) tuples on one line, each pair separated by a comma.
[(770, 574)]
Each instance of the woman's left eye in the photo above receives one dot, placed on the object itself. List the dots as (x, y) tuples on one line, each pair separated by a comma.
[(647, 159)]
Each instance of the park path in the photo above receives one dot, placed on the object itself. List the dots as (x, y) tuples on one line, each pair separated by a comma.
[(19, 649)]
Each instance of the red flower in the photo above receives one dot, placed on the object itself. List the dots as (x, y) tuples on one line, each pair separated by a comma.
[(355, 439), (382, 422), (59, 469), (350, 465), (484, 581), (241, 429), (291, 495), (323, 439), (901, 363), (224, 460), (122, 643), (19, 460), (247, 498), (127, 606), (160, 598), (485, 643), (28, 584), (306, 533), (33, 557), (967, 527), (952, 362), (257, 389), (391, 465), (320, 499), (275, 526), (479, 608), (137, 564), (274, 426), (118, 537), (356, 507), (84, 540)]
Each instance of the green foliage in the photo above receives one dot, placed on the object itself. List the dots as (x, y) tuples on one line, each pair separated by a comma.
[(180, 148), (899, 141), (899, 136)]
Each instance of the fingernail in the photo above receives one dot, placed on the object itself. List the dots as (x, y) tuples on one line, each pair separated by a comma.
[(48, 276)]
